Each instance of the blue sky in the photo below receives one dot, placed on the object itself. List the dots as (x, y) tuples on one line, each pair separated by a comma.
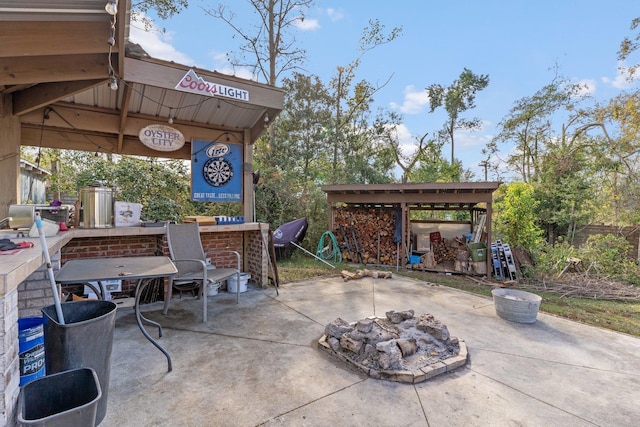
[(517, 43)]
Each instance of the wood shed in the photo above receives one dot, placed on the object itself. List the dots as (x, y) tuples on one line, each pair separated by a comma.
[(373, 221)]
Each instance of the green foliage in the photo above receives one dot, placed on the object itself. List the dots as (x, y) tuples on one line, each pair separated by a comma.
[(602, 256), (515, 210), (564, 191), (628, 46), (549, 260), (162, 188), (607, 256), (456, 99), (431, 166), (528, 126)]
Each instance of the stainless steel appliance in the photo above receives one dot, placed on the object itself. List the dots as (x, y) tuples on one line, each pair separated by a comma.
[(97, 207), (23, 216)]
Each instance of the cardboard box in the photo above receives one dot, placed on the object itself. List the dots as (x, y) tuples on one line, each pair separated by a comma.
[(423, 243), (479, 267)]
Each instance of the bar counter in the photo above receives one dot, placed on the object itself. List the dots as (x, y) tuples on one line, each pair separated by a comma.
[(14, 269)]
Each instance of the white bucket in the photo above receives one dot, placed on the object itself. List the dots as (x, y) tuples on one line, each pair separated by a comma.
[(232, 282), (212, 289)]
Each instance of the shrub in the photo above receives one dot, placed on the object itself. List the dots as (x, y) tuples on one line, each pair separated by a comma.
[(607, 256)]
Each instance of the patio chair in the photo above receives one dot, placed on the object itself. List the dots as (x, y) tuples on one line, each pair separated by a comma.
[(188, 255)]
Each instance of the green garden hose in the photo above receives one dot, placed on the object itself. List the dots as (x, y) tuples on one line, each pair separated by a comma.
[(331, 250)]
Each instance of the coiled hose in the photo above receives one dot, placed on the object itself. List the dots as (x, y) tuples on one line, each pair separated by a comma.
[(331, 250)]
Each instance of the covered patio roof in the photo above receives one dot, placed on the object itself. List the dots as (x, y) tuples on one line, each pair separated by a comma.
[(56, 63)]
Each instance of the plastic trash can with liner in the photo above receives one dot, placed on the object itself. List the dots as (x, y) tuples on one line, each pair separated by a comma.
[(85, 339), (65, 399)]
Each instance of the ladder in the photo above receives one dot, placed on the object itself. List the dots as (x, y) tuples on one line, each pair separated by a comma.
[(495, 262), (511, 265), (478, 231)]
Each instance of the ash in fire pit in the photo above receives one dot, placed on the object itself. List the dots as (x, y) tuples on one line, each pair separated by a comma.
[(399, 347)]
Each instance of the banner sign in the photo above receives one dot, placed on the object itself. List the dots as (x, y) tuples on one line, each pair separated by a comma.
[(193, 83), (216, 172)]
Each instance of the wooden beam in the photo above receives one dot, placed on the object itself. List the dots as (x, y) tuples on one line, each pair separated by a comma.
[(439, 198), (92, 119), (124, 109), (69, 140), (38, 38), (44, 94), (55, 68)]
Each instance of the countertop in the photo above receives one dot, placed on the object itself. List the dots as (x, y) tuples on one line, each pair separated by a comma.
[(14, 269)]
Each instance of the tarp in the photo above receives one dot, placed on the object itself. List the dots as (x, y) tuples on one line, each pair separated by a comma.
[(286, 234), (293, 231)]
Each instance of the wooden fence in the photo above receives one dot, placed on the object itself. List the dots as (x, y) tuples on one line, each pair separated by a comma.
[(631, 233)]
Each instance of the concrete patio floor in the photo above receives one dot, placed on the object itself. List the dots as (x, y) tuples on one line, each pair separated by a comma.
[(256, 364)]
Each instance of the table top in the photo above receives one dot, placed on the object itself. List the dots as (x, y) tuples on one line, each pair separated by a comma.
[(124, 268)]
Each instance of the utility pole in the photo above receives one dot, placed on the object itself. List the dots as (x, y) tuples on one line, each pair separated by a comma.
[(485, 165)]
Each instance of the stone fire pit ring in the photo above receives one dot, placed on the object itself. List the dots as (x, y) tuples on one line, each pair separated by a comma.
[(398, 347)]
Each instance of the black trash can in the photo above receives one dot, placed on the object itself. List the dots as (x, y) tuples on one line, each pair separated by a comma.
[(84, 341), (68, 398)]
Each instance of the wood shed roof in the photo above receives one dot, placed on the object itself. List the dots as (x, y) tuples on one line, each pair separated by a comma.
[(436, 196)]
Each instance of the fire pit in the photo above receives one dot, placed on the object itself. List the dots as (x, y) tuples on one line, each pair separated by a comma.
[(398, 347)]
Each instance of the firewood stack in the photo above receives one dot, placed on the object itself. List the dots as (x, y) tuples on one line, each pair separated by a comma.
[(373, 230), (443, 252)]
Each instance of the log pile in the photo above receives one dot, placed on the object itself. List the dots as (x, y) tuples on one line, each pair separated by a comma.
[(442, 252), (365, 235), (581, 285), (347, 275)]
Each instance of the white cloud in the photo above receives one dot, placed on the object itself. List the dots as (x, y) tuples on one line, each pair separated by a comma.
[(307, 24), (414, 101), (334, 14), (472, 140), (221, 65), (157, 44), (620, 81), (587, 87), (405, 140)]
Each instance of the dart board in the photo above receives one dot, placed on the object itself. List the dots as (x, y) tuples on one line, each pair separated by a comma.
[(217, 171)]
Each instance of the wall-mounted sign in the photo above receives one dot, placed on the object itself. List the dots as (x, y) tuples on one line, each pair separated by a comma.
[(216, 172), (193, 83), (161, 138)]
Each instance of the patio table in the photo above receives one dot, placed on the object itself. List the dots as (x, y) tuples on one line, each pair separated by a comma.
[(141, 269)]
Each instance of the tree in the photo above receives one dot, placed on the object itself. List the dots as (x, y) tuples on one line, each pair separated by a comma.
[(628, 46), (268, 49), (298, 161), (564, 186), (516, 214), (456, 99), (164, 8), (354, 141), (620, 159), (431, 165), (528, 126)]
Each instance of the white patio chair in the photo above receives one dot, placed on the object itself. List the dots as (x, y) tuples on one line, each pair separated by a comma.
[(188, 255)]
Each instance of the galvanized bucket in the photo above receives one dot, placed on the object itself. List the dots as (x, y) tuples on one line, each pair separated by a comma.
[(516, 306)]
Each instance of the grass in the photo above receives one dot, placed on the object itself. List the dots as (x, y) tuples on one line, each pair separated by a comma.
[(620, 316)]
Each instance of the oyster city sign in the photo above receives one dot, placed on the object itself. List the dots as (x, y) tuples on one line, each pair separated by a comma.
[(193, 83), (161, 138)]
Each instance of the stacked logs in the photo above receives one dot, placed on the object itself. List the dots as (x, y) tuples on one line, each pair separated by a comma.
[(365, 235), (443, 252)]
